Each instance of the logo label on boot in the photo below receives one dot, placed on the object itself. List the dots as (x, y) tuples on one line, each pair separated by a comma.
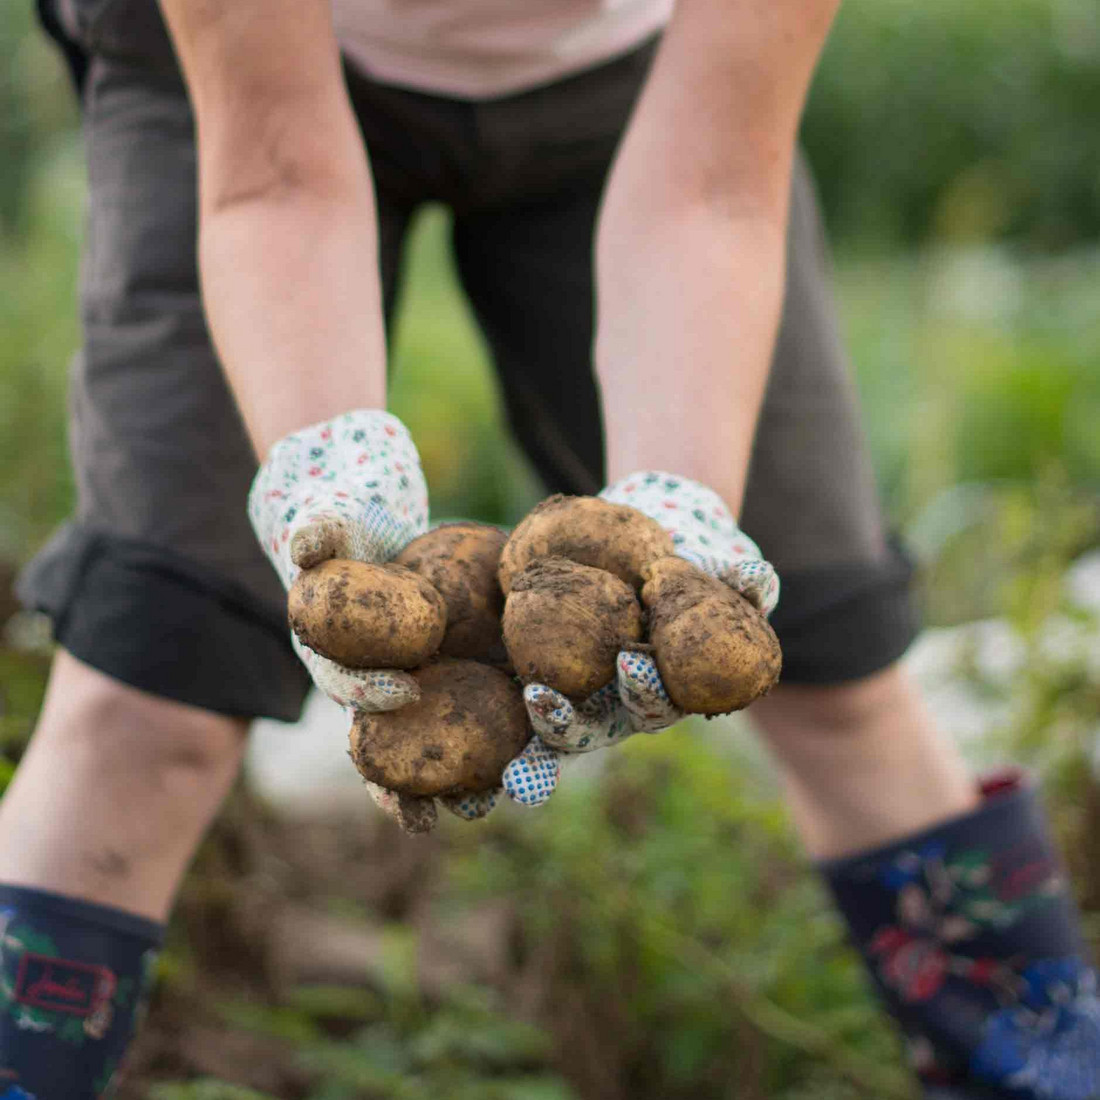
[(61, 985)]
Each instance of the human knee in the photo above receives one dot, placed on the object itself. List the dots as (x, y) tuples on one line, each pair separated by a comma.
[(838, 711), (130, 735)]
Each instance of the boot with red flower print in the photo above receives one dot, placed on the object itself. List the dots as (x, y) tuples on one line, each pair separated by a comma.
[(973, 940)]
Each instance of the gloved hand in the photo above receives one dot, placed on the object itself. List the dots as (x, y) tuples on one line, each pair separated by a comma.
[(704, 533), (352, 488)]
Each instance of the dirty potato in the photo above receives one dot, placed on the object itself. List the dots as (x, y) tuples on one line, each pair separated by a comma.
[(469, 723), (565, 623), (460, 561), (367, 616), (715, 652), (589, 531)]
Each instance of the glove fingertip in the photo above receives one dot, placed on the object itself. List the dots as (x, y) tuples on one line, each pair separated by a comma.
[(756, 580), (639, 677), (530, 779), (644, 695), (549, 710), (771, 596), (312, 544), (383, 690), (471, 806), (415, 816)]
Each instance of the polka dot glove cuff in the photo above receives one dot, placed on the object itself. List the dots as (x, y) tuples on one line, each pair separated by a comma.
[(704, 533)]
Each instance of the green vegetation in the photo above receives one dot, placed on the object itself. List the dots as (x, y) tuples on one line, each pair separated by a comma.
[(962, 122), (661, 934)]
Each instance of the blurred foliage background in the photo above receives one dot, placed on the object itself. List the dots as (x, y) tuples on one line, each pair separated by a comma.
[(656, 934)]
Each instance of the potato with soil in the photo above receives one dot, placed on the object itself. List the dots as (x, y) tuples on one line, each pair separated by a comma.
[(460, 561), (715, 652), (589, 531), (469, 723), (367, 616), (565, 623)]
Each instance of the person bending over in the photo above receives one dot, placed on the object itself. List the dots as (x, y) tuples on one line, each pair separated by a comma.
[(690, 368)]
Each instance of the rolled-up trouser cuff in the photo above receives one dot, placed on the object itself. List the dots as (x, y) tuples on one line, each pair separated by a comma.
[(158, 622), (845, 622)]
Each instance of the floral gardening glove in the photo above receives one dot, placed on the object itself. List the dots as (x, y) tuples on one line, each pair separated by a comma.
[(704, 533), (347, 488), (352, 488)]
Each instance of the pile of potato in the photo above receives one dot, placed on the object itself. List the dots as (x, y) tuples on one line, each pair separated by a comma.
[(572, 572), (474, 613)]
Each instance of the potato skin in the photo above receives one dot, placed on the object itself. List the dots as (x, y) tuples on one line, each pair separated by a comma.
[(589, 531), (460, 561), (715, 652), (565, 623), (469, 723), (367, 616)]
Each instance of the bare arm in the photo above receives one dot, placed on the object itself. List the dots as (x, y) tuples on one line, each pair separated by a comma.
[(287, 228), (691, 241)]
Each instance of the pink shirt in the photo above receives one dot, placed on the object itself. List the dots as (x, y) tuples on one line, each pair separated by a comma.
[(478, 49)]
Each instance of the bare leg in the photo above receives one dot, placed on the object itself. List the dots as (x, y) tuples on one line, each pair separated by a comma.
[(115, 792), (862, 763)]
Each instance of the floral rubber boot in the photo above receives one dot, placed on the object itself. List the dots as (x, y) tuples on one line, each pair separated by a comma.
[(973, 940), (73, 978)]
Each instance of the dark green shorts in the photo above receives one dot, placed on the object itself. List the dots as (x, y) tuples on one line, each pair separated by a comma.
[(158, 580)]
